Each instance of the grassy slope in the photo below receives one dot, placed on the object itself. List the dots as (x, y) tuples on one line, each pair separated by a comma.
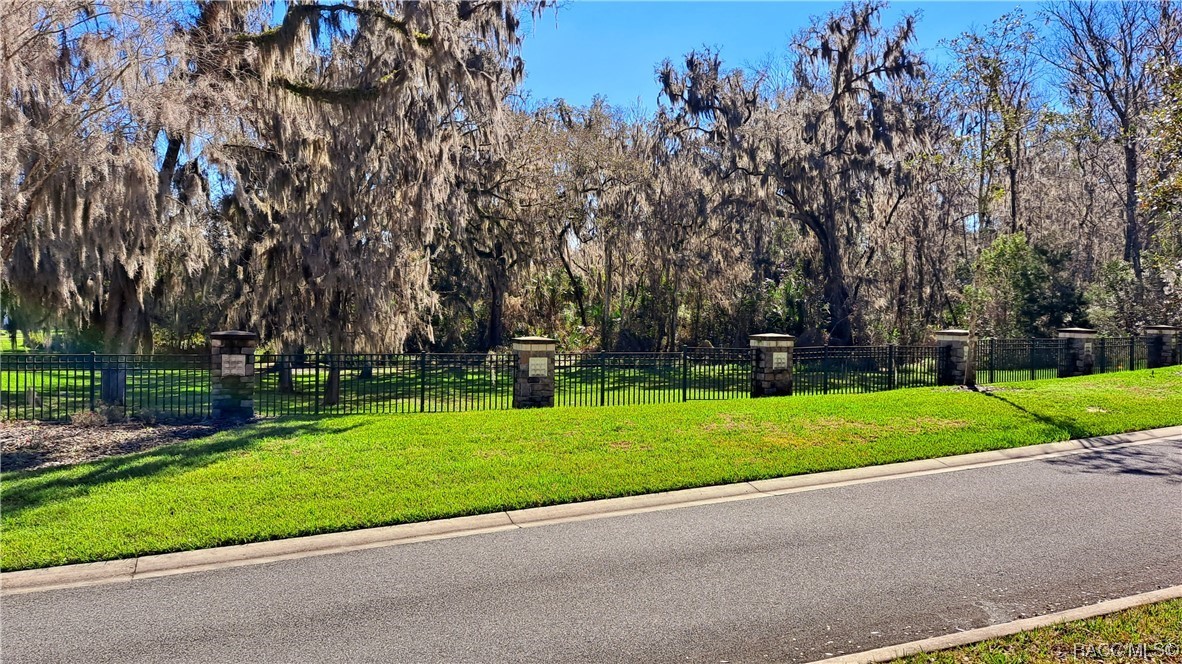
[(293, 477), (1157, 626)]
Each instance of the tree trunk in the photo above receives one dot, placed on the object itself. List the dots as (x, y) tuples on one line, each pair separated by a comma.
[(1132, 234), (332, 386), (575, 282), (836, 290), (495, 332), (605, 333), (1013, 173)]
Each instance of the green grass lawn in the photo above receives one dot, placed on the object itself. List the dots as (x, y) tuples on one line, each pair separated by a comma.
[(1151, 633), (289, 477)]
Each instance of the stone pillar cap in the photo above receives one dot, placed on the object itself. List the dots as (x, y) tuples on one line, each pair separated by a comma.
[(953, 332), (533, 341), (771, 340), (1080, 331), (1163, 328), (234, 335)]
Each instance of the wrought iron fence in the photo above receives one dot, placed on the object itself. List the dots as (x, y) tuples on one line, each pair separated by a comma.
[(317, 383), (1008, 360), (859, 369), (718, 373), (51, 386), (1120, 354), (54, 386), (616, 379)]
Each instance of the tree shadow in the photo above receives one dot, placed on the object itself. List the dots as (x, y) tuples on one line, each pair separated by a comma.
[(1069, 425), (1142, 460), (1139, 460), (28, 490)]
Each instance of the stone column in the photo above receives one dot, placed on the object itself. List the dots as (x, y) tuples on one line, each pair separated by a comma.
[(1162, 343), (955, 365), (772, 375), (231, 373), (1077, 356), (534, 387)]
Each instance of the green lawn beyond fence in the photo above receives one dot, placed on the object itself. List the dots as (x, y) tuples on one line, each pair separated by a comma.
[(53, 387)]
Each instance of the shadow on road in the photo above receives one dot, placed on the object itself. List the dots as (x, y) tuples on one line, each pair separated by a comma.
[(1145, 460)]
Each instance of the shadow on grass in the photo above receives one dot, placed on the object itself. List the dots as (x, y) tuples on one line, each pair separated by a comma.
[(1072, 427), (1145, 461), (37, 488)]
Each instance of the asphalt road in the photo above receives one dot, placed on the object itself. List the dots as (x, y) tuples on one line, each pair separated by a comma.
[(789, 578)]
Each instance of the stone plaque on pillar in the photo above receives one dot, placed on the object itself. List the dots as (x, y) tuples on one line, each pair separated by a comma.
[(233, 365), (539, 367)]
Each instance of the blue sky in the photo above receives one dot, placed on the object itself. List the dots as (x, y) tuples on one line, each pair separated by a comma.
[(612, 48)]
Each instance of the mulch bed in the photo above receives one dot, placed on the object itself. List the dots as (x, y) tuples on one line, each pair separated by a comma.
[(34, 445)]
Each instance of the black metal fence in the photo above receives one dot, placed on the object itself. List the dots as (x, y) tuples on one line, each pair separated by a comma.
[(615, 379), (43, 386), (317, 383), (1120, 354), (53, 387), (859, 369), (1008, 360)]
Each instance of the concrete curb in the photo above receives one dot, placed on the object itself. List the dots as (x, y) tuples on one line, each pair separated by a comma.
[(87, 574), (1005, 629)]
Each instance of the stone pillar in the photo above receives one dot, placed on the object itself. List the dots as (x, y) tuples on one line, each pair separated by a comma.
[(955, 365), (772, 375), (1162, 343), (1077, 356), (534, 387), (231, 373)]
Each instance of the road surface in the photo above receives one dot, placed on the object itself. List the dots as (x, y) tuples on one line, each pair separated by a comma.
[(788, 578)]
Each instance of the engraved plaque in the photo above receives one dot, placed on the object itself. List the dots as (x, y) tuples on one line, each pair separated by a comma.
[(539, 367), (233, 365), (1087, 348), (779, 361)]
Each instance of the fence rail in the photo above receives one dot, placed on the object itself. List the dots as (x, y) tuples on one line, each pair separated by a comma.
[(317, 383), (1008, 360), (860, 369), (45, 386)]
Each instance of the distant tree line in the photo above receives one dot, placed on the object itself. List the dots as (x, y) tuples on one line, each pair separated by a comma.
[(366, 176)]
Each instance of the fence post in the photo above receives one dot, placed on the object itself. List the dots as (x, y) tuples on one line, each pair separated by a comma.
[(1030, 358), (602, 378), (534, 386), (1076, 353), (1161, 346), (891, 379), (423, 382), (955, 369), (93, 360), (684, 374), (232, 375), (825, 368), (316, 388), (993, 360), (773, 364)]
